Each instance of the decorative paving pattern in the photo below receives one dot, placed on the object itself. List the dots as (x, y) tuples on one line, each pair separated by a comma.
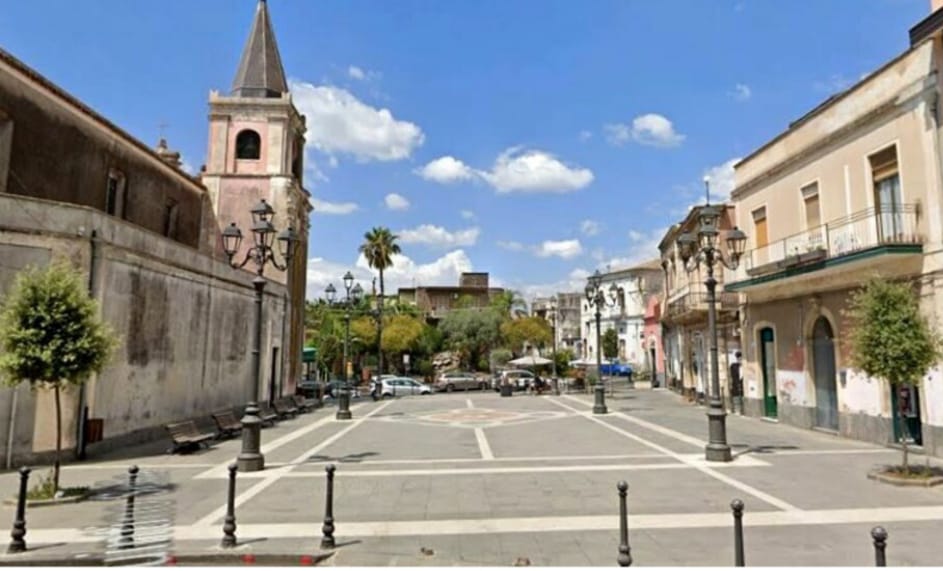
[(475, 417)]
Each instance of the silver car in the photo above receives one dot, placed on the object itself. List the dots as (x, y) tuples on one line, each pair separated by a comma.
[(399, 386), (458, 380)]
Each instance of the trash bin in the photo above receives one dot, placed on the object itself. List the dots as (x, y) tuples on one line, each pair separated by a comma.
[(506, 389)]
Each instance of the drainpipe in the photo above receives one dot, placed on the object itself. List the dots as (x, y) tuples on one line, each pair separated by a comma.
[(80, 436)]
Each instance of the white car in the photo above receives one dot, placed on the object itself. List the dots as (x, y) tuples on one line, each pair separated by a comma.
[(519, 379), (398, 386)]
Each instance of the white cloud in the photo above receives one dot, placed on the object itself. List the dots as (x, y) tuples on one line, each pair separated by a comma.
[(439, 236), (742, 92), (650, 129), (396, 202), (722, 179), (834, 84), (643, 246), (511, 245), (344, 124), (468, 215), (534, 171), (585, 135), (325, 207), (405, 272), (575, 281), (590, 227), (356, 73), (445, 170), (565, 249)]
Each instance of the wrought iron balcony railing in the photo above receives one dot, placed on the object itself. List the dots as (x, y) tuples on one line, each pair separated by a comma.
[(862, 230)]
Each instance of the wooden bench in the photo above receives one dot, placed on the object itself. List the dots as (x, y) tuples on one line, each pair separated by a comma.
[(305, 405), (185, 435), (267, 415), (227, 422), (285, 407)]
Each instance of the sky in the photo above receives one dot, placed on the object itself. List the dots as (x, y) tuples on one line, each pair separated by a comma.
[(536, 140)]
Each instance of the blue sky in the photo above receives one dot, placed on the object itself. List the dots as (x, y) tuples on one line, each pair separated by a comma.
[(535, 140)]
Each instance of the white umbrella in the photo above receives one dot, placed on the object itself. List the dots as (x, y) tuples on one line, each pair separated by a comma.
[(587, 363), (531, 361)]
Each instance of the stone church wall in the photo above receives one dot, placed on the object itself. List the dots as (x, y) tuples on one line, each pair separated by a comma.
[(183, 317)]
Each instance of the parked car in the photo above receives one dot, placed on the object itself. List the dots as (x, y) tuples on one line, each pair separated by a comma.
[(519, 379), (398, 386), (308, 388), (458, 380), (332, 388), (616, 369)]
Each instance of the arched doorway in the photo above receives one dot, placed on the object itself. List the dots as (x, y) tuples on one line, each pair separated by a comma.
[(823, 368)]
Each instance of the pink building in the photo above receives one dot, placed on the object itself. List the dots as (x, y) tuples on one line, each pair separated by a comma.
[(651, 335)]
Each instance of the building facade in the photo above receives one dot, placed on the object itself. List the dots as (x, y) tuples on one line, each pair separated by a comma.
[(654, 363), (74, 185), (434, 302), (685, 333), (626, 315), (849, 192)]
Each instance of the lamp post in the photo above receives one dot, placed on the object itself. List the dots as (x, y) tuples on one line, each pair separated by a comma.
[(695, 250), (597, 298), (352, 296), (552, 312), (250, 458)]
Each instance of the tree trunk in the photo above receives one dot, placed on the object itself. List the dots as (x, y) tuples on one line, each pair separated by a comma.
[(901, 406), (55, 467)]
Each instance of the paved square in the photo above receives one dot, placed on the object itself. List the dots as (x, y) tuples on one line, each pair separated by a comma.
[(476, 479)]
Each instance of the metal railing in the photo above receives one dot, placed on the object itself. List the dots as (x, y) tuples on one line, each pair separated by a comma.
[(695, 299), (862, 230)]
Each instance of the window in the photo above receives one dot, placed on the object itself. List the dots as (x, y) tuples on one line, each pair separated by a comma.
[(887, 196), (170, 218), (114, 193), (759, 227), (248, 145), (810, 198)]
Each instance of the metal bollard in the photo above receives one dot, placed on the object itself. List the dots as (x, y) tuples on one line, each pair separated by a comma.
[(229, 524), (18, 533), (737, 507), (625, 555), (880, 543), (327, 530), (127, 529)]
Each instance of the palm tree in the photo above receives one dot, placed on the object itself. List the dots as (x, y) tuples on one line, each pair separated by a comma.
[(379, 246)]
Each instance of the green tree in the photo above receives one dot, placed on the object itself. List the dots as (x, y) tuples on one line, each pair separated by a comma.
[(533, 330), (610, 343), (890, 339), (508, 303), (499, 357), (379, 246), (563, 359), (402, 335), (51, 336), (471, 332)]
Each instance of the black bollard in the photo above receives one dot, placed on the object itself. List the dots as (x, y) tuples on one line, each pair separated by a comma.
[(18, 533), (127, 528), (327, 539), (880, 543), (737, 507), (229, 524), (625, 555)]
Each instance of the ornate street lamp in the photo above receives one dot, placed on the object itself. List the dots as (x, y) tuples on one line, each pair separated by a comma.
[(695, 250), (598, 298), (352, 296), (552, 313), (250, 458)]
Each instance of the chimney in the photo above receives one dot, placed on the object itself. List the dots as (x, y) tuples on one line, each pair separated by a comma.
[(172, 158), (935, 5)]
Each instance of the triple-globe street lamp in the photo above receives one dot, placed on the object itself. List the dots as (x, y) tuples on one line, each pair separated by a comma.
[(702, 248), (598, 298), (552, 314), (352, 297), (250, 458)]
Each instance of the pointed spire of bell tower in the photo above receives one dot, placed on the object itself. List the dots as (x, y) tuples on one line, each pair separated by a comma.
[(260, 72)]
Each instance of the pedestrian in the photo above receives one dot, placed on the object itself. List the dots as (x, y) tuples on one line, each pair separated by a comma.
[(538, 384)]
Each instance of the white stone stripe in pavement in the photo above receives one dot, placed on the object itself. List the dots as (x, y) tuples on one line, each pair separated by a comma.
[(661, 429), (503, 459), (746, 488), (220, 470), (483, 445), (273, 476), (312, 530)]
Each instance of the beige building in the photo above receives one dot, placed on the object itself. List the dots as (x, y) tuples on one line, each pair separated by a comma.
[(850, 191), (434, 302), (685, 335)]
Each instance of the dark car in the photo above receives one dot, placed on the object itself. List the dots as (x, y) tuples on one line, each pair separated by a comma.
[(333, 388), (309, 388)]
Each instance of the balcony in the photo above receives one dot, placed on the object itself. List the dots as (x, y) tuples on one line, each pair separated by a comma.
[(852, 240), (689, 304)]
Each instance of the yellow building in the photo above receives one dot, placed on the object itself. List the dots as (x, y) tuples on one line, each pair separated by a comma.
[(849, 191)]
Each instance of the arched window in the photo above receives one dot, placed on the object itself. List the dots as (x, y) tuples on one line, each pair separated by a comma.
[(248, 145)]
